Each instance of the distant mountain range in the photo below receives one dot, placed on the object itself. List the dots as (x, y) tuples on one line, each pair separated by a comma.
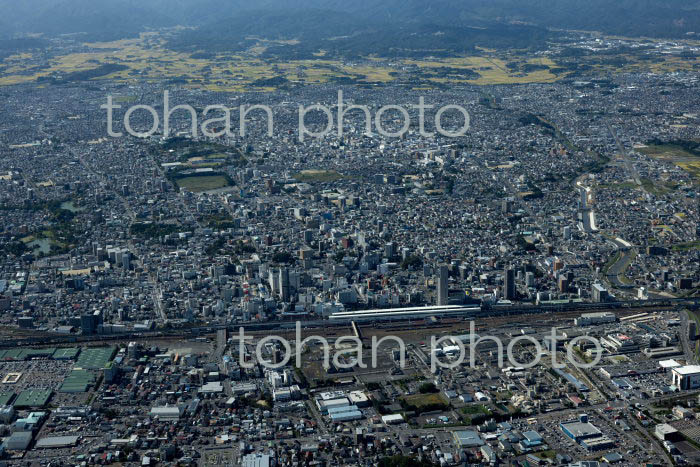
[(387, 26), (353, 35)]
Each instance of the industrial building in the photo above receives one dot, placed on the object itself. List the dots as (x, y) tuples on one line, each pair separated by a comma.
[(77, 381), (33, 398), (95, 358), (344, 413), (57, 442), (18, 441), (167, 413), (324, 406)]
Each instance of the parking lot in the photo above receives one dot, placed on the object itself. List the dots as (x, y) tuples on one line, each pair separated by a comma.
[(48, 374)]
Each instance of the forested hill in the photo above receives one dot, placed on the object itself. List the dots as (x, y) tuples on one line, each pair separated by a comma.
[(384, 24)]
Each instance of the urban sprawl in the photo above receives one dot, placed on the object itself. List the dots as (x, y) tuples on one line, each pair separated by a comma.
[(568, 212)]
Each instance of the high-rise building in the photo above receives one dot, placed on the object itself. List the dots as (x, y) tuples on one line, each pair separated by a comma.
[(507, 206), (599, 293), (284, 284), (88, 324), (221, 339), (509, 284), (442, 285), (567, 233), (308, 236), (530, 279), (563, 284), (390, 250)]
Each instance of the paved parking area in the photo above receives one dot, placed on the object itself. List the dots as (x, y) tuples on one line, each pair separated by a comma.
[(46, 374)]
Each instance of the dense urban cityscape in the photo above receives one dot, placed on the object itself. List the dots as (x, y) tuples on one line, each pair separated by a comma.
[(564, 222)]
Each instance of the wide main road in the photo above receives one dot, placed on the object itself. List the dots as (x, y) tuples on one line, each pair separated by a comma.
[(629, 164)]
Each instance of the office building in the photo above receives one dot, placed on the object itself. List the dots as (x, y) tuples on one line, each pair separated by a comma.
[(509, 284), (442, 286), (599, 293), (686, 377)]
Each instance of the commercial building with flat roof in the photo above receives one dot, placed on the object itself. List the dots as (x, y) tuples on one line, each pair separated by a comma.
[(686, 377), (669, 364), (392, 419), (579, 385), (359, 399), (242, 388), (30, 422), (532, 439), (468, 439), (255, 460), (597, 443), (586, 434), (666, 432), (578, 430)]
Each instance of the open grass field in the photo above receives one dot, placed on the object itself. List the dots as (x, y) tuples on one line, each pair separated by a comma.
[(675, 154), (491, 70), (687, 246), (478, 409), (691, 167), (148, 60), (202, 183), (654, 187), (423, 400), (318, 176)]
